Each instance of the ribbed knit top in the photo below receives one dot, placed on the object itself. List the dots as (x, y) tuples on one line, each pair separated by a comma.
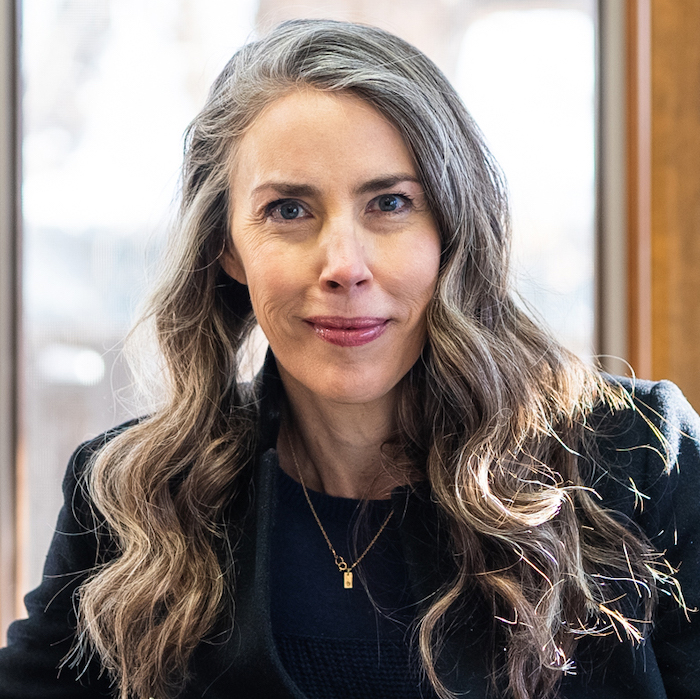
[(337, 642)]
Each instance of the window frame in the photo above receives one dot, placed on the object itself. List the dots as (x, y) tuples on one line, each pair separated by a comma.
[(10, 178)]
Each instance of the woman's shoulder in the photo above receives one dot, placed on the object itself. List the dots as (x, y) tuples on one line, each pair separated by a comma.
[(662, 401), (642, 459), (647, 458), (74, 479), (37, 644), (90, 447), (651, 424)]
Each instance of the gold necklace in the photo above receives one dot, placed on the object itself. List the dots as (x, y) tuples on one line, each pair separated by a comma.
[(343, 567)]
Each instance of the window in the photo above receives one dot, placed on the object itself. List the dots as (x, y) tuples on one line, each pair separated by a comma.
[(528, 78)]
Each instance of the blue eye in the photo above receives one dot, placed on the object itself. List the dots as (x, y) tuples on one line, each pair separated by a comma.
[(388, 202), (391, 203), (290, 210), (286, 209)]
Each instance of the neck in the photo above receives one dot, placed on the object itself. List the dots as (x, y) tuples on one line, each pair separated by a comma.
[(338, 447)]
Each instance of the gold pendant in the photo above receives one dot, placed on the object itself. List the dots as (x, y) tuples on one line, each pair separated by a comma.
[(347, 579)]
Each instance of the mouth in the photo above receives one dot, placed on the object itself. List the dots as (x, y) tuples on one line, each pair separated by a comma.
[(348, 332)]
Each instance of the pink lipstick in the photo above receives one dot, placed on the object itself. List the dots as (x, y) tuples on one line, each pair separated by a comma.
[(348, 332)]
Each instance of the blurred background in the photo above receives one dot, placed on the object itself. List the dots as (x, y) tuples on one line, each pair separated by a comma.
[(105, 90)]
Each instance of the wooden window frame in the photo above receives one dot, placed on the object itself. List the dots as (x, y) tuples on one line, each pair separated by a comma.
[(658, 114)]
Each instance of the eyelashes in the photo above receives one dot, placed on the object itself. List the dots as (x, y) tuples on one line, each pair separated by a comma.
[(392, 203), (285, 210), (289, 209)]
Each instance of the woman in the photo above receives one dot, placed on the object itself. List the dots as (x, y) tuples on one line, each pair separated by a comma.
[(422, 494)]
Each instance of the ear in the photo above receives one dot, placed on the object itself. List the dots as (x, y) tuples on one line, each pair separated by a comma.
[(232, 264)]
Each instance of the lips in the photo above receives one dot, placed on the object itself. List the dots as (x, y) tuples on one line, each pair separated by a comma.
[(348, 332)]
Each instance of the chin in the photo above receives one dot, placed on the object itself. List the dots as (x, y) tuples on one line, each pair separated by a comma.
[(354, 387), (345, 379)]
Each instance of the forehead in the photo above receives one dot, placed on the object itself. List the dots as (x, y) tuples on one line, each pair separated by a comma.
[(321, 136)]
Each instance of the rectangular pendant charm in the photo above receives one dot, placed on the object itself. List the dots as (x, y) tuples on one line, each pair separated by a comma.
[(347, 579)]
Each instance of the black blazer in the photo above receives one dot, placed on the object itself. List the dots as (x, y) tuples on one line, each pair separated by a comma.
[(238, 658)]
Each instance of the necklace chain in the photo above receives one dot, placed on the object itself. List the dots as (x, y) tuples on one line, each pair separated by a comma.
[(343, 567)]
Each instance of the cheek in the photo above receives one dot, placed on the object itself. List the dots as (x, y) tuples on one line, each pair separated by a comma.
[(265, 272), (268, 299), (273, 295), (418, 271)]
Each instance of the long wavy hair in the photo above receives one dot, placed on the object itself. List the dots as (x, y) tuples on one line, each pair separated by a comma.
[(495, 413)]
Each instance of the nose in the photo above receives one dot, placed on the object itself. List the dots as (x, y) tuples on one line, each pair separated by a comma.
[(345, 263)]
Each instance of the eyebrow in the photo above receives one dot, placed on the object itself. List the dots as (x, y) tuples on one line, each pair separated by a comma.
[(291, 189), (385, 183)]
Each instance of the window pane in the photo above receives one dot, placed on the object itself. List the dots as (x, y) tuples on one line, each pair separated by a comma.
[(528, 79)]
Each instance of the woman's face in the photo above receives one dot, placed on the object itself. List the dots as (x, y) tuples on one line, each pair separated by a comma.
[(332, 234)]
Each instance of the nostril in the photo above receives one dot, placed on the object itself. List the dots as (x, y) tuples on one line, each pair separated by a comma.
[(345, 265)]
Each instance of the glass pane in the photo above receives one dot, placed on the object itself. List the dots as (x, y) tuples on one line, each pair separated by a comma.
[(528, 78)]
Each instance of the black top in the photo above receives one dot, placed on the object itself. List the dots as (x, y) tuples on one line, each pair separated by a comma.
[(246, 657), (333, 641)]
